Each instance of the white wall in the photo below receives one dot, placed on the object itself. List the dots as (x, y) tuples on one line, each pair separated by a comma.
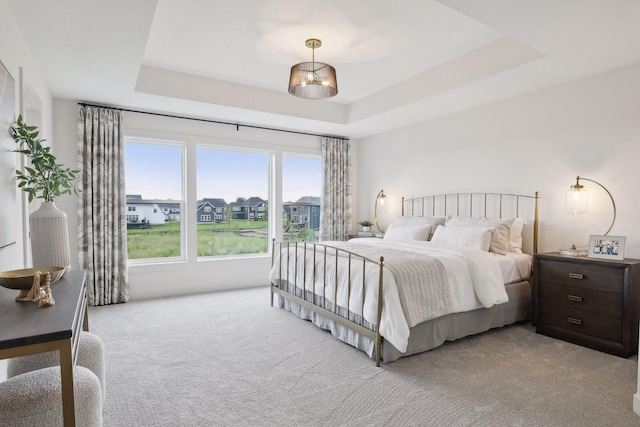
[(535, 142), (14, 54)]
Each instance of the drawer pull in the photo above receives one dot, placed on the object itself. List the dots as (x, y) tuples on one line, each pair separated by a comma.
[(576, 276), (575, 298), (574, 320)]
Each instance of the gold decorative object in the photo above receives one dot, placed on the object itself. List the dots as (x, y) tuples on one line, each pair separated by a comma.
[(28, 281), (35, 292), (47, 299)]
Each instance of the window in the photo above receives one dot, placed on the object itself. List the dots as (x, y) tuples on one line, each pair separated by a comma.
[(302, 186), (153, 170), (233, 184), (240, 178)]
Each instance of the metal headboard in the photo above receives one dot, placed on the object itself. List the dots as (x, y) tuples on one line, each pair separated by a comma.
[(495, 205)]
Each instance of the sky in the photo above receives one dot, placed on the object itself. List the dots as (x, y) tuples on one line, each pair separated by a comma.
[(154, 172)]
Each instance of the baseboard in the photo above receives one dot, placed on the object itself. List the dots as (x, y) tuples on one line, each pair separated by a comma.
[(3, 373), (636, 403)]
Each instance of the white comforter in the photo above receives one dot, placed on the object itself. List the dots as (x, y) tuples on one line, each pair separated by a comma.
[(474, 279)]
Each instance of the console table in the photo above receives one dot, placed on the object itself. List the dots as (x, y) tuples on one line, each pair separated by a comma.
[(29, 329)]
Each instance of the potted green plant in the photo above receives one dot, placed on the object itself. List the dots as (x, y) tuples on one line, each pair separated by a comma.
[(43, 178), (366, 225)]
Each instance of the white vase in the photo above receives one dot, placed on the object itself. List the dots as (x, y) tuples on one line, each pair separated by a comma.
[(50, 237), (366, 228)]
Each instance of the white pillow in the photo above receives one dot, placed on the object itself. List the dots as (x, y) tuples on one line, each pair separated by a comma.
[(501, 236), (433, 221), (515, 235), (407, 232), (472, 237)]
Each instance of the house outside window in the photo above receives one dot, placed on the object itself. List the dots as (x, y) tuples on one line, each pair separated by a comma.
[(301, 190), (153, 171), (241, 179)]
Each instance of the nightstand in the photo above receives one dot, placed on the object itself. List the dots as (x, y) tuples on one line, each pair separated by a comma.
[(588, 301)]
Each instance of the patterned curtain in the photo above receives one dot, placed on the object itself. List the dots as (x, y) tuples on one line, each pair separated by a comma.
[(102, 227), (335, 219)]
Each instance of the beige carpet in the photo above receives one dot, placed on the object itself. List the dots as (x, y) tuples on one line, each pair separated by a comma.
[(229, 359)]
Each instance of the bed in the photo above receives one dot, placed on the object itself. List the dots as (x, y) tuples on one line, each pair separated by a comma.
[(450, 266)]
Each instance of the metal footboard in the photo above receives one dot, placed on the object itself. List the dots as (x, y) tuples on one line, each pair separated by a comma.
[(326, 259)]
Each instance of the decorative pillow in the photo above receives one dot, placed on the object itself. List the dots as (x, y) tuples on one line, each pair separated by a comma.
[(472, 237), (500, 238), (433, 221), (515, 235), (407, 232)]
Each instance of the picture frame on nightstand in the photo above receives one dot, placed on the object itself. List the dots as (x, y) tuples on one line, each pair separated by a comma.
[(606, 247)]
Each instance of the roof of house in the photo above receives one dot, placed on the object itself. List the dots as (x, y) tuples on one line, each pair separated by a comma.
[(306, 200), (215, 202), (253, 201)]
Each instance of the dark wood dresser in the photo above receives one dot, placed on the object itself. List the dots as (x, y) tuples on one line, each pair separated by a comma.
[(587, 301)]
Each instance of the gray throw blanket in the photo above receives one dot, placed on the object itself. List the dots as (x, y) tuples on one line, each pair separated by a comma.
[(421, 281)]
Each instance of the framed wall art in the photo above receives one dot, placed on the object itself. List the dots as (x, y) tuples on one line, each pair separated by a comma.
[(9, 219)]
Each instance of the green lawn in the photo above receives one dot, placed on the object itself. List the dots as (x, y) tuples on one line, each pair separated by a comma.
[(237, 237)]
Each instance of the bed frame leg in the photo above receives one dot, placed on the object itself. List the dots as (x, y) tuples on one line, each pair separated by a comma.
[(379, 316), (271, 290)]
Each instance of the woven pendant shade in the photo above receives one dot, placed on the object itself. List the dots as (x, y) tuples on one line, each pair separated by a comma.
[(313, 80)]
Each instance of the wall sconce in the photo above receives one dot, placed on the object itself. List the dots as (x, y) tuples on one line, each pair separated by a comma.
[(380, 197), (577, 198)]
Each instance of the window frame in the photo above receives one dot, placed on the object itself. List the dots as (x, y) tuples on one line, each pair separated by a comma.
[(274, 144), (250, 210), (182, 145), (299, 210)]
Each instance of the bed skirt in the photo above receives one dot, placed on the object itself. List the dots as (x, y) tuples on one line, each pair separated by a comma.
[(433, 333)]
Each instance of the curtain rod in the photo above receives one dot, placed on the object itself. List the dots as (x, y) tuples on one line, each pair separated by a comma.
[(219, 122)]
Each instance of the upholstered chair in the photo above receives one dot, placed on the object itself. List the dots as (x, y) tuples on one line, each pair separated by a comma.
[(90, 356), (34, 399)]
